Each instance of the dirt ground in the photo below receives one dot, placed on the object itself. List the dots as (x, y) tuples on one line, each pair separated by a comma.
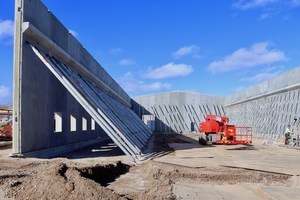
[(179, 168)]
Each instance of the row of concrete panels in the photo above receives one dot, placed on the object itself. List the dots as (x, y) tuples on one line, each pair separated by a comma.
[(177, 112), (268, 107)]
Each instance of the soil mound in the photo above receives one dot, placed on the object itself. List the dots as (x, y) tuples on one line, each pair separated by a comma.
[(59, 181)]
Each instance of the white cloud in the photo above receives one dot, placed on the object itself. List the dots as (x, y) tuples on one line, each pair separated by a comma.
[(4, 94), (127, 62), (266, 15), (169, 70), (132, 84), (249, 4), (4, 91), (6, 30), (264, 74), (74, 33), (269, 8), (257, 54), (156, 86), (295, 2), (238, 89), (187, 50), (115, 51)]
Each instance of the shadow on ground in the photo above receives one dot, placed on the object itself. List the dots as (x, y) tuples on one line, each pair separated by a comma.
[(162, 144), (158, 145), (103, 149), (245, 147)]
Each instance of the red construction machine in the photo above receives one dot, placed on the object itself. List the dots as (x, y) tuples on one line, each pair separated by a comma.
[(5, 124), (216, 130)]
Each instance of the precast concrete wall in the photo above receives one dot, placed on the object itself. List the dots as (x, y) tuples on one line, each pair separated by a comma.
[(269, 106), (177, 112), (40, 100)]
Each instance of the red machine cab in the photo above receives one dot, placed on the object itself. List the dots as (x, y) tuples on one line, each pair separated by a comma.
[(218, 131)]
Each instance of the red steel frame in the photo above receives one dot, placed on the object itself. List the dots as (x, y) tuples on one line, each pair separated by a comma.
[(243, 136), (6, 132)]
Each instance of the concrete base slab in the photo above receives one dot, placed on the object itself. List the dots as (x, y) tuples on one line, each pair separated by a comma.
[(242, 191), (254, 157), (216, 192)]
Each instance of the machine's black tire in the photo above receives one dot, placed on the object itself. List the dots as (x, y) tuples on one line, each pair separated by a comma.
[(202, 141)]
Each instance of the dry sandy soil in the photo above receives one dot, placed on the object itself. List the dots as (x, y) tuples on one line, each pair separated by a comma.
[(179, 169)]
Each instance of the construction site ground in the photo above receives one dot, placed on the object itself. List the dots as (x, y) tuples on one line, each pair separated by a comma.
[(178, 168)]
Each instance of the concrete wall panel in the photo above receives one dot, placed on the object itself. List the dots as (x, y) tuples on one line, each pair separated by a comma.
[(175, 111), (269, 106), (37, 92), (42, 96)]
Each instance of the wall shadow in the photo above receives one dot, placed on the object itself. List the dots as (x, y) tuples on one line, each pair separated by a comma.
[(103, 149)]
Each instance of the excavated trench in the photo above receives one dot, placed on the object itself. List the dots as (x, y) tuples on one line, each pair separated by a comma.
[(104, 174)]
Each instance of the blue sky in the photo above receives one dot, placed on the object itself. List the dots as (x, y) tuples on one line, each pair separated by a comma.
[(210, 46)]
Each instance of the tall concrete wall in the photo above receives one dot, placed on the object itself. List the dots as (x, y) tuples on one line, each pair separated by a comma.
[(176, 111), (37, 92), (269, 106)]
